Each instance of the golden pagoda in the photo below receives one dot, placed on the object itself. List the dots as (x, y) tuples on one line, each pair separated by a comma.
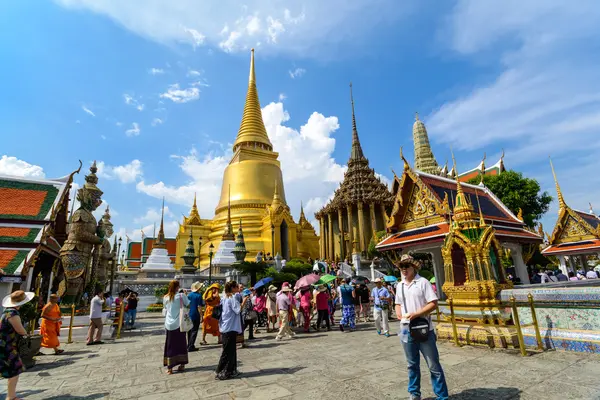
[(253, 192)]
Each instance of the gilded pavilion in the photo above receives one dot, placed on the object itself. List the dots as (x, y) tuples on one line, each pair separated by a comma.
[(358, 207), (253, 192), (425, 160), (576, 235), (426, 210)]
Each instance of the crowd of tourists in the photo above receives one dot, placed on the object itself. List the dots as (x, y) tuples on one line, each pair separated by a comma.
[(228, 313)]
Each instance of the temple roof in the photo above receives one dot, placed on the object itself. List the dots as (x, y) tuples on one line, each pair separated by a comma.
[(426, 205), (575, 231), (481, 169), (360, 185), (33, 213), (252, 127)]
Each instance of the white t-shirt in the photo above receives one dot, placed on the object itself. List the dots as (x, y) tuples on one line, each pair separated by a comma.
[(96, 307), (418, 293)]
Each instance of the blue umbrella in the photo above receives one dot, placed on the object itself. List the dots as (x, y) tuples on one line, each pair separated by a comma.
[(390, 278), (262, 282)]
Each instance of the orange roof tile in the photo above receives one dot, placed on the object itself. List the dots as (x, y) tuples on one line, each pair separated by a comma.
[(570, 248), (14, 232), (415, 236), (21, 201)]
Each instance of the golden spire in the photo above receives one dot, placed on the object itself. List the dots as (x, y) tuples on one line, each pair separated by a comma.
[(424, 158), (252, 129), (591, 208), (561, 200), (302, 216), (356, 153), (463, 210), (194, 218), (482, 168), (160, 239)]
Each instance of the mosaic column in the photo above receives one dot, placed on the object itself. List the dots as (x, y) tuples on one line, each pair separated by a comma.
[(383, 215), (341, 226), (331, 239), (350, 223), (373, 221), (322, 238), (361, 228)]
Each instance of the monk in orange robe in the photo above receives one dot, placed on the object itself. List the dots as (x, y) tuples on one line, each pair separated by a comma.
[(51, 322), (209, 324)]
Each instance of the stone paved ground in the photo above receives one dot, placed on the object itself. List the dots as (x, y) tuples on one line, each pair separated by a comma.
[(326, 365)]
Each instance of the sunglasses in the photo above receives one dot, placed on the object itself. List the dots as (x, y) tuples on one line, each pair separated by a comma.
[(404, 266)]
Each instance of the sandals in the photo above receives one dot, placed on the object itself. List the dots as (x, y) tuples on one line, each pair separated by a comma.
[(59, 351), (181, 368), (170, 372), (204, 343)]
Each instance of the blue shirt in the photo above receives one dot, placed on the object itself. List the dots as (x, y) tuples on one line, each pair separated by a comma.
[(195, 302), (346, 291), (377, 294), (230, 317)]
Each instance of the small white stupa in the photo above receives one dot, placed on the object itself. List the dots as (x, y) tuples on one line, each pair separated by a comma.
[(224, 256), (159, 260)]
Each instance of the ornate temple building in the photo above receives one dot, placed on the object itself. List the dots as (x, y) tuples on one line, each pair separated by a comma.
[(576, 235), (253, 191), (425, 206), (358, 208), (425, 160), (33, 227)]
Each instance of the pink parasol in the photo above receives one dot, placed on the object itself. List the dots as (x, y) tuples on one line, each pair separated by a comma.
[(306, 280)]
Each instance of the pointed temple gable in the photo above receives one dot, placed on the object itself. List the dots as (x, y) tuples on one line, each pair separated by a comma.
[(575, 231)]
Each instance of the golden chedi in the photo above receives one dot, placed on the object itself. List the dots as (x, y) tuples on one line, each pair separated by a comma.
[(252, 191)]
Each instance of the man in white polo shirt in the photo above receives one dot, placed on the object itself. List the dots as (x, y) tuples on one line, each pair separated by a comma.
[(415, 298)]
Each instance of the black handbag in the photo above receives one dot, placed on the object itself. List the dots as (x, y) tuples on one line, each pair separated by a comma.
[(418, 327), (217, 311)]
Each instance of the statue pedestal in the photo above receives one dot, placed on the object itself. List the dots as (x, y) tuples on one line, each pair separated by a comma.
[(186, 280), (159, 261)]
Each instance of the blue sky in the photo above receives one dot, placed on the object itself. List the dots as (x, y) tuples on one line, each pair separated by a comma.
[(154, 92)]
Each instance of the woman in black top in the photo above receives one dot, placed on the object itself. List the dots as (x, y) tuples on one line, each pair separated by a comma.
[(362, 302)]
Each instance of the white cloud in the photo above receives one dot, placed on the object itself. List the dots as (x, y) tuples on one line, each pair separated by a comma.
[(88, 111), (312, 179), (157, 121), (290, 27), (156, 71), (132, 101), (127, 173), (177, 95), (118, 123), (134, 130), (228, 45), (15, 167), (282, 96), (193, 72), (153, 215), (545, 100), (297, 73), (197, 37), (254, 25)]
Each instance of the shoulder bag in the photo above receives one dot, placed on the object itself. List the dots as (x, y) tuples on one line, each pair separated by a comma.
[(418, 327), (185, 322), (217, 311)]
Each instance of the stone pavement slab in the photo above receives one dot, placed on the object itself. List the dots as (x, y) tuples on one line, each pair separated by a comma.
[(323, 365)]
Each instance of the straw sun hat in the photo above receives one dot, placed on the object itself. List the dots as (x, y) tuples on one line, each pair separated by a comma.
[(17, 299), (196, 286), (407, 259)]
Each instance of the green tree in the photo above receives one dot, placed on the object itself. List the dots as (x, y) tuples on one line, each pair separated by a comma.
[(518, 192), (297, 267), (371, 250), (253, 269), (160, 292)]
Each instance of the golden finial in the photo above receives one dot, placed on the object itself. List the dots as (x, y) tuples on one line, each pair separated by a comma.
[(481, 219), (416, 116), (591, 209), (252, 77), (194, 200), (458, 185), (520, 214), (406, 164), (561, 200)]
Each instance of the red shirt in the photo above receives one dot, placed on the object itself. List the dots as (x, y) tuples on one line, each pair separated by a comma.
[(322, 298)]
